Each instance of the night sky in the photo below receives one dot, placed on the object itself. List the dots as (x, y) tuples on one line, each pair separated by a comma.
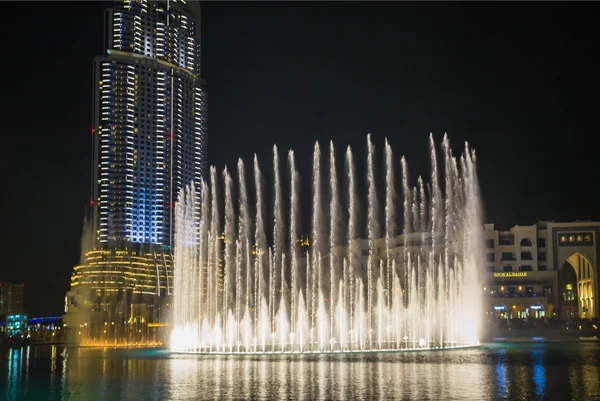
[(519, 82)]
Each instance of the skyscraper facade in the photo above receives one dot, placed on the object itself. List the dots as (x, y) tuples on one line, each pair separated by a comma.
[(149, 142), (149, 120)]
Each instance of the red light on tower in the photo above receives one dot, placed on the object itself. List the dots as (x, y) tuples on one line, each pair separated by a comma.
[(93, 130), (170, 206), (91, 202)]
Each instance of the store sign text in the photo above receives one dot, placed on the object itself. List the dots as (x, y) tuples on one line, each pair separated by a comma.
[(511, 274)]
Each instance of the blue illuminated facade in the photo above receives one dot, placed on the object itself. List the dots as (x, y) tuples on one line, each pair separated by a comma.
[(149, 121), (16, 324)]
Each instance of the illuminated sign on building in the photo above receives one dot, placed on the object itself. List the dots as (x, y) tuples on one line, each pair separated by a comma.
[(536, 307), (511, 274), (499, 307)]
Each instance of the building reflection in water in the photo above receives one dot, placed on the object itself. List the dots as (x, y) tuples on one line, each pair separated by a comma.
[(511, 372)]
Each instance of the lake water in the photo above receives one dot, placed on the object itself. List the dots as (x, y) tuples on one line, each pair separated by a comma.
[(553, 371)]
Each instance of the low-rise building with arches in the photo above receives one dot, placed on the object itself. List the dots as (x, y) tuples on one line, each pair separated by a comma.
[(545, 270)]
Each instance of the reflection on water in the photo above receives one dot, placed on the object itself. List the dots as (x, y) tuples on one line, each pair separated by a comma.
[(501, 381), (509, 371), (539, 375)]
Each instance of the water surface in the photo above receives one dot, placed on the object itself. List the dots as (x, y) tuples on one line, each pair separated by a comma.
[(553, 371)]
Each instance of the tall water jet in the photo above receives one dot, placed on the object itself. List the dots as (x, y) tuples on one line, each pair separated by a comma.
[(236, 293), (282, 319), (244, 268), (449, 228), (373, 231), (271, 301), (436, 225), (203, 256), (215, 245), (317, 224), (229, 262), (421, 267), (406, 192), (278, 220), (390, 224), (259, 249), (334, 227), (352, 235), (474, 251), (294, 178)]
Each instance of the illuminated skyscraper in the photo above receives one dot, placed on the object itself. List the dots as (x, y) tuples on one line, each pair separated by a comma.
[(149, 142), (149, 120)]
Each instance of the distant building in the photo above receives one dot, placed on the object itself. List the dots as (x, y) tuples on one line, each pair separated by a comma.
[(16, 324), (38, 330), (11, 298), (46, 330), (149, 142), (545, 270)]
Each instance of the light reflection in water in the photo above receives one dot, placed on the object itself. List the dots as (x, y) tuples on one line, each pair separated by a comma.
[(506, 372), (573, 382), (430, 389), (414, 384), (27, 356), (52, 366), (12, 380), (539, 374), (501, 380), (63, 377), (343, 380), (590, 378), (231, 369)]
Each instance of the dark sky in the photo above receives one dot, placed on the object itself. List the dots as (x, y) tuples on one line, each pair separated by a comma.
[(519, 82)]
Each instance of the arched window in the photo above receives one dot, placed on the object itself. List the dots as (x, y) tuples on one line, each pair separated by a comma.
[(526, 242)]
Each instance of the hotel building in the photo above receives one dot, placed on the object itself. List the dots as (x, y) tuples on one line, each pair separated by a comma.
[(148, 143), (544, 270)]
